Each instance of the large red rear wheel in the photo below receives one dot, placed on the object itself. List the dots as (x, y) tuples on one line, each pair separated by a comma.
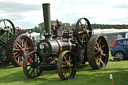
[(18, 48)]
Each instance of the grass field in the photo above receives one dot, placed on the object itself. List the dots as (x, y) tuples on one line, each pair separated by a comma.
[(9, 75)]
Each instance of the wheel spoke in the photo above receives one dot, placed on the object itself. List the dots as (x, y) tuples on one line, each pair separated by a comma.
[(96, 53), (69, 59), (18, 59), (29, 68), (3, 34), (81, 23), (70, 70), (103, 54), (25, 43), (65, 73), (63, 65), (32, 71), (4, 24), (32, 58), (38, 60), (102, 62), (17, 55), (95, 48), (71, 65), (16, 49), (22, 57), (28, 48), (97, 44), (22, 42), (98, 60), (30, 61), (102, 46), (65, 57), (100, 42), (29, 65), (18, 44), (86, 37), (10, 33)]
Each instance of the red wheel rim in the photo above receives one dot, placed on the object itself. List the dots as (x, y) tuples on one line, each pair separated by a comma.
[(22, 46)]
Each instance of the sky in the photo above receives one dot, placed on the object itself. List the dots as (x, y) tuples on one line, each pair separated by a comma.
[(28, 13)]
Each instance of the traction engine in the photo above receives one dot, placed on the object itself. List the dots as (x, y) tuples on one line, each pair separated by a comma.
[(13, 45), (64, 51)]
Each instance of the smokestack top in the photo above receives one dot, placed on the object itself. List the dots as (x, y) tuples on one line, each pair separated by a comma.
[(46, 4)]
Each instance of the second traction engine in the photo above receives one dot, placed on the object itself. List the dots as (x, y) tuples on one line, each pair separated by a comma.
[(64, 50)]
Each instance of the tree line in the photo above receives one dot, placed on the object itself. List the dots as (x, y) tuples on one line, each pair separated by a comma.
[(69, 26)]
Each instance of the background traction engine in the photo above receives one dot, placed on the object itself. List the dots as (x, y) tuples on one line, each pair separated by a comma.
[(66, 50), (13, 45)]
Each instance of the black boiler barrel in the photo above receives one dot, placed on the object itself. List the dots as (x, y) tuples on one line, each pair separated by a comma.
[(47, 48)]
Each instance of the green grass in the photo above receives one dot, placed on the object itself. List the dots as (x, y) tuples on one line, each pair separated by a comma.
[(84, 76)]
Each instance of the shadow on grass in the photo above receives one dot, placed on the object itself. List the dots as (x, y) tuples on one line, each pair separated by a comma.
[(7, 66), (19, 76), (85, 76)]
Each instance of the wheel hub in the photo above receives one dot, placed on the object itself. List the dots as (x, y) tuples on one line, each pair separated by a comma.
[(99, 49), (34, 65), (68, 64), (22, 51)]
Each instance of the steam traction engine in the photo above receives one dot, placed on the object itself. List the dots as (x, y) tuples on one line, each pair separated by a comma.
[(13, 45), (66, 50)]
